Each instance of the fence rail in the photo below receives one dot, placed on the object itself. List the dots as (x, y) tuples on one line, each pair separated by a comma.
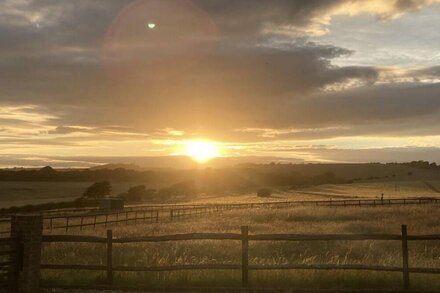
[(244, 237), (166, 213)]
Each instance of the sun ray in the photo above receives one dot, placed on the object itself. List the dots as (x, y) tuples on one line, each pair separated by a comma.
[(201, 151)]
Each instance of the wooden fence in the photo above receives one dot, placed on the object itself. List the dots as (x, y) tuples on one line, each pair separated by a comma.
[(244, 238), (166, 213), (10, 261), (338, 202)]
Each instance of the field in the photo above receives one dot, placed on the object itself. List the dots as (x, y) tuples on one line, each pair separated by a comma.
[(23, 193), (386, 219), (375, 189)]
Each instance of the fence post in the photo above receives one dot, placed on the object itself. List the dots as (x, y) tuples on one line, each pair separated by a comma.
[(405, 262), (157, 216), (171, 214), (67, 223), (28, 230), (109, 256), (244, 256), (82, 221)]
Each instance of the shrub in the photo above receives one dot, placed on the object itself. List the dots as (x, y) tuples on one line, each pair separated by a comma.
[(264, 192), (98, 190), (138, 194)]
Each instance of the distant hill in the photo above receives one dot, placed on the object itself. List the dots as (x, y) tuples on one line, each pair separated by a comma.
[(242, 174), (118, 166)]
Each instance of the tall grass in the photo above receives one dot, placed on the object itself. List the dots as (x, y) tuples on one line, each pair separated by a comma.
[(386, 219)]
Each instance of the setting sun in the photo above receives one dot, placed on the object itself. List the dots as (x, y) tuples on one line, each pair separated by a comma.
[(201, 151)]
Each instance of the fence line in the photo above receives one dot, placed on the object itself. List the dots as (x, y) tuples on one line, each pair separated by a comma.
[(244, 237), (178, 212)]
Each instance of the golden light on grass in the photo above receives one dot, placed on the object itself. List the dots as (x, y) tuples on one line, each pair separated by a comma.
[(201, 151)]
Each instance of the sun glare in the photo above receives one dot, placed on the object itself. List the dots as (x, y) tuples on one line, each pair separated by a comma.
[(201, 151)]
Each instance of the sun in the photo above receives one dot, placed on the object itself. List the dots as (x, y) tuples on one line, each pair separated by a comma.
[(201, 151)]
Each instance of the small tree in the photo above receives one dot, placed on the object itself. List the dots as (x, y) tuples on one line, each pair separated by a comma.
[(264, 192), (138, 194), (98, 190)]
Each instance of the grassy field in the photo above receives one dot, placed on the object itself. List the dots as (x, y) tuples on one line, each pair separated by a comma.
[(23, 193), (398, 189), (375, 189), (386, 219)]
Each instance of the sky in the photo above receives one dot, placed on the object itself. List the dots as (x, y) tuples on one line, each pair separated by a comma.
[(87, 82)]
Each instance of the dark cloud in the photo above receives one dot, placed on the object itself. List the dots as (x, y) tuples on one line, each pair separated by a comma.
[(394, 154), (428, 72), (211, 70)]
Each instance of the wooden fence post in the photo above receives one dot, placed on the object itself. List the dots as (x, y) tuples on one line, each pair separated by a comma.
[(244, 256), (26, 252), (405, 269), (94, 222), (171, 214), (82, 221), (157, 216), (67, 223), (109, 256)]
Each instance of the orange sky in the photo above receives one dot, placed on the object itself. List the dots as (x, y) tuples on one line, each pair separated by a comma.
[(321, 81)]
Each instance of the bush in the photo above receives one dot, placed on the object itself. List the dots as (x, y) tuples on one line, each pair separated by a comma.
[(264, 192), (185, 188), (138, 194), (98, 190)]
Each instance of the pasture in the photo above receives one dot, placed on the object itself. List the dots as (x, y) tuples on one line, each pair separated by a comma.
[(416, 188), (19, 193), (23, 193), (303, 220)]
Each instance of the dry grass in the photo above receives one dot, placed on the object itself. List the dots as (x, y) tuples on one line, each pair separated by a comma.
[(374, 189), (420, 220)]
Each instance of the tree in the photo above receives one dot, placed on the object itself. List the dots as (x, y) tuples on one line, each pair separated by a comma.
[(264, 192), (98, 190), (138, 193)]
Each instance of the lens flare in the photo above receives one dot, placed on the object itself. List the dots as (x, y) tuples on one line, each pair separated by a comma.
[(201, 151)]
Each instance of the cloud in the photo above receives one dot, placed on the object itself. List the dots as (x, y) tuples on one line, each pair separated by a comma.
[(83, 74), (300, 18), (395, 154)]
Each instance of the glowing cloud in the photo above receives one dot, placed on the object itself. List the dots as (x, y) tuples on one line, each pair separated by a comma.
[(201, 151)]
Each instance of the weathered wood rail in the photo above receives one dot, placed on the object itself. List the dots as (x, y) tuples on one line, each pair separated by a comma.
[(166, 213), (244, 238)]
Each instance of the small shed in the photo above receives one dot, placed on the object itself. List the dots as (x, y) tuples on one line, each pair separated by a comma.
[(111, 203)]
